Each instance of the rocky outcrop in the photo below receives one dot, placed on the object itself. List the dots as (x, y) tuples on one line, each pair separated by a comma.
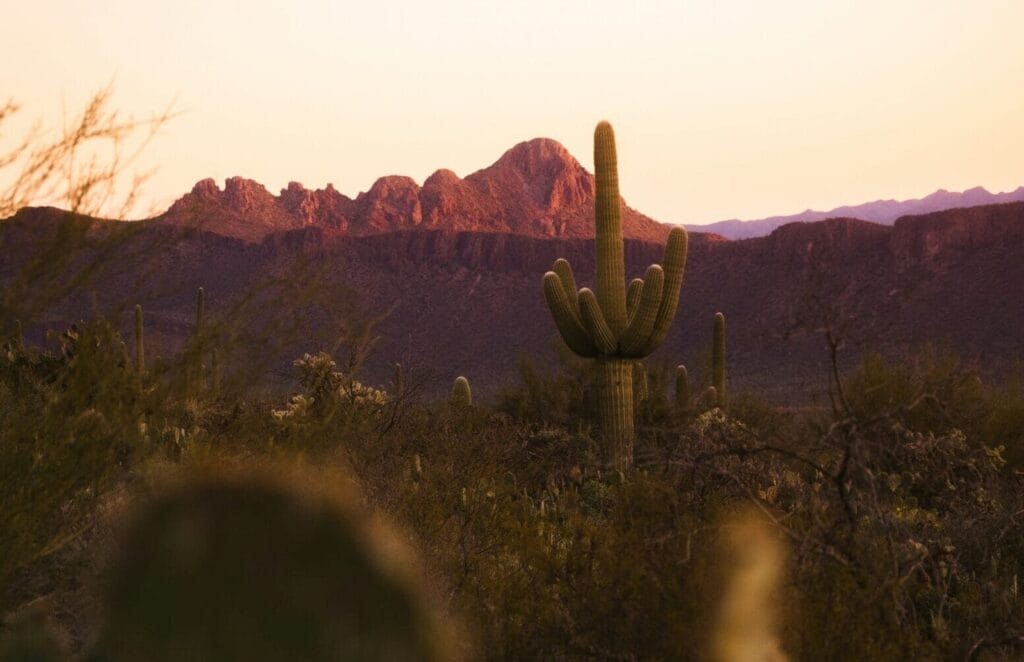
[(535, 189)]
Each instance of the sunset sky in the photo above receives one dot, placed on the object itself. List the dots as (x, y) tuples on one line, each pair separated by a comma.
[(722, 109)]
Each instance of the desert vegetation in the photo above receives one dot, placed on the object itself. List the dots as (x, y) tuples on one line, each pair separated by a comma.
[(895, 519), (165, 506)]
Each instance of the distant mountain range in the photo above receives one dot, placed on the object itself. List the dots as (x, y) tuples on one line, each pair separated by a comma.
[(880, 211), (535, 189), (454, 268)]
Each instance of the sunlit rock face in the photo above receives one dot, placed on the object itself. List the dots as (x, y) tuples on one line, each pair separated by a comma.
[(535, 189)]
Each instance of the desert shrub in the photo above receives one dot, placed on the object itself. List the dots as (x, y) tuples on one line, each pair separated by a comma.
[(900, 514), (68, 426), (556, 395)]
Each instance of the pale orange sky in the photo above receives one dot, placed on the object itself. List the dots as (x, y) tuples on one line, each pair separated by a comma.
[(722, 109)]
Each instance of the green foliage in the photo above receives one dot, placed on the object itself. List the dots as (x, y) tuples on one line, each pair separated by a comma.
[(612, 325)]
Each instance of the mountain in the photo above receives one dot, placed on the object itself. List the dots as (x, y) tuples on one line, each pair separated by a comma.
[(880, 211), (535, 189), (455, 301)]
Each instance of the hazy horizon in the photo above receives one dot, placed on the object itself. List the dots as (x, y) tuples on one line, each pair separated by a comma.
[(737, 111)]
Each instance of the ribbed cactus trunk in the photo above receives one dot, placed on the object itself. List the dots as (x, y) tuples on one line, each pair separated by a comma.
[(615, 408)]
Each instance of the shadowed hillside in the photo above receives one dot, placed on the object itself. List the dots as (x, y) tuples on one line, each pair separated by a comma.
[(469, 302)]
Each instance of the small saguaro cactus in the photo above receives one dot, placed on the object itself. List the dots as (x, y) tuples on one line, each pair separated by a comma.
[(461, 396), (398, 382), (140, 346), (682, 388), (612, 325), (718, 359)]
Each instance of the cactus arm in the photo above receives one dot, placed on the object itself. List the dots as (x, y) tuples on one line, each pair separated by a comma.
[(634, 338), (611, 270), (566, 319), (636, 288), (595, 323), (674, 263), (564, 271)]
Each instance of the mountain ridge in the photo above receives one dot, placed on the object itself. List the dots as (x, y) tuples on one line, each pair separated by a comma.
[(884, 212), (536, 188)]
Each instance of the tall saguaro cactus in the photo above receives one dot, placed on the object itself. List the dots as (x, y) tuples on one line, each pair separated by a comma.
[(615, 326)]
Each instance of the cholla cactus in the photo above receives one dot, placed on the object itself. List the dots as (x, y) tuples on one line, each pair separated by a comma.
[(298, 407), (718, 359), (325, 386), (461, 396), (613, 326)]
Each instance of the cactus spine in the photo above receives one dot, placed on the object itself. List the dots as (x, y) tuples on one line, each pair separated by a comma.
[(613, 326), (461, 397), (718, 359)]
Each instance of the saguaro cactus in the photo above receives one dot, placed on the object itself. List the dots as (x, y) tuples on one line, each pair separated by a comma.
[(682, 389), (615, 326), (718, 359), (461, 396)]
